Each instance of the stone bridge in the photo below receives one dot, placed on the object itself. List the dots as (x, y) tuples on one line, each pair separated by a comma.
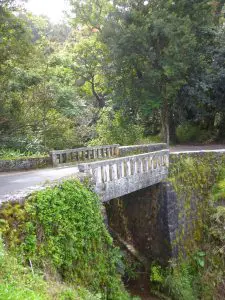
[(117, 177), (141, 208), (114, 170)]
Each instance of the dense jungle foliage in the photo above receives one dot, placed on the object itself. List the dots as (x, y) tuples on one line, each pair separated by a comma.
[(114, 71), (60, 236)]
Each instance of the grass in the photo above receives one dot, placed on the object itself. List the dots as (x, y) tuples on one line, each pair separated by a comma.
[(11, 154), (22, 283)]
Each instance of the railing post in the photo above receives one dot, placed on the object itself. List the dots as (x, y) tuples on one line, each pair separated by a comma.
[(54, 159)]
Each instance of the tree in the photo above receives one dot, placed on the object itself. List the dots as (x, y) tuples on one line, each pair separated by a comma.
[(154, 47)]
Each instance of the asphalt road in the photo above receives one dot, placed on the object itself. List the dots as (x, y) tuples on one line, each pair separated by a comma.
[(13, 182)]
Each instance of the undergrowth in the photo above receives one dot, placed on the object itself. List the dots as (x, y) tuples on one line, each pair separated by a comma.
[(200, 273), (11, 154), (61, 231), (18, 282)]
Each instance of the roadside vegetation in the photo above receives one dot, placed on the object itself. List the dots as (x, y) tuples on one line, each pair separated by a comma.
[(198, 272), (59, 233), (121, 72)]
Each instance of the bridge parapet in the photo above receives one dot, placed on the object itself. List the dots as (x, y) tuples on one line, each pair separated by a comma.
[(87, 153), (120, 176)]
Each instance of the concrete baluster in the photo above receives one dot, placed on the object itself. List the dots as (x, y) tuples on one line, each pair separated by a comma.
[(54, 159), (151, 166), (116, 151), (98, 153), (128, 167), (114, 172), (89, 154), (135, 164), (97, 172), (106, 173), (112, 151), (107, 152), (161, 161), (119, 170), (145, 165), (104, 152), (139, 165), (94, 154)]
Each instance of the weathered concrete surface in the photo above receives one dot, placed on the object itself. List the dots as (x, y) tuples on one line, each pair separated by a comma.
[(117, 177), (80, 154), (182, 148), (147, 220), (14, 183), (127, 150), (24, 163)]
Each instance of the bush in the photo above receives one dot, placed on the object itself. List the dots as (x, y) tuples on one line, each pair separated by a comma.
[(18, 283), (9, 154), (62, 231), (191, 133), (115, 128)]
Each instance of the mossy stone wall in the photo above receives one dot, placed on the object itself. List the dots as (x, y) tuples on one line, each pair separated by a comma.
[(193, 175)]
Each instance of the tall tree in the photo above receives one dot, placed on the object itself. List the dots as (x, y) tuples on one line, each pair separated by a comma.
[(155, 46)]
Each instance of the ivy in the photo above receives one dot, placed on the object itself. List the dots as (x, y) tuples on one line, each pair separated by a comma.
[(61, 230)]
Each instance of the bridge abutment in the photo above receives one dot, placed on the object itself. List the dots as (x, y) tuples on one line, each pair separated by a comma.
[(147, 219)]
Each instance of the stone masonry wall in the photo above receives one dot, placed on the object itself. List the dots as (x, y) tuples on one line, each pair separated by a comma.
[(193, 175), (169, 217), (24, 164), (146, 219)]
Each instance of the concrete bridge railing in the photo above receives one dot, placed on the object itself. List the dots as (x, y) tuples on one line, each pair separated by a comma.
[(120, 176), (78, 154)]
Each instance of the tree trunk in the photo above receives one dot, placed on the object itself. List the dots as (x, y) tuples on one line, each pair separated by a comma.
[(165, 122), (100, 99)]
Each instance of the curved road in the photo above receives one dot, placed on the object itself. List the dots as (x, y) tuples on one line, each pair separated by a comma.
[(12, 182)]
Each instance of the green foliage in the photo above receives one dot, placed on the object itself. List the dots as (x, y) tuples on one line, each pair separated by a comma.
[(180, 282), (115, 128), (194, 178), (190, 133), (15, 154), (18, 282), (200, 273), (218, 191), (61, 230), (156, 274)]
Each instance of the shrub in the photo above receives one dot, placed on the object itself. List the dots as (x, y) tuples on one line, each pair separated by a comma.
[(18, 282), (187, 133), (61, 230), (10, 154), (115, 128), (191, 133)]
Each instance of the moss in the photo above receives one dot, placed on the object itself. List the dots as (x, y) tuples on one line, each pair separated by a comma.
[(193, 177)]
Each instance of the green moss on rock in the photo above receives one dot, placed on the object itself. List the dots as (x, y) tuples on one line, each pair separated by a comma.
[(193, 176)]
